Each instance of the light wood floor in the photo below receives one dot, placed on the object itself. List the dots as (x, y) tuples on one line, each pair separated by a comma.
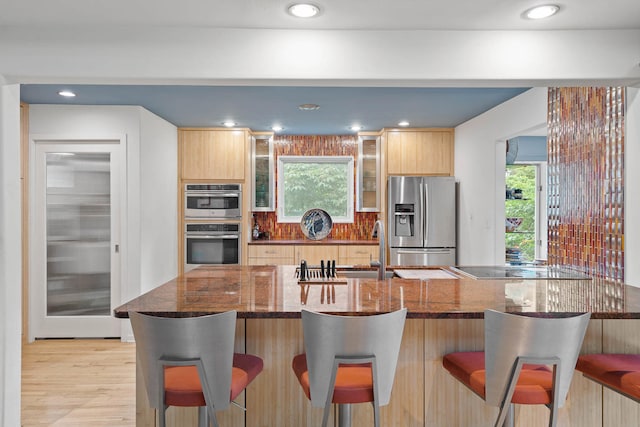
[(78, 383)]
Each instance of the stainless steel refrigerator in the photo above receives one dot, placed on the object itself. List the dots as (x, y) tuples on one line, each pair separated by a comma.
[(422, 220)]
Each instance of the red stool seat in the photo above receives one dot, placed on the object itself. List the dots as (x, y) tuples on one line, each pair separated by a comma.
[(535, 383), (349, 356), (630, 384), (354, 383), (182, 383), (620, 372), (526, 360)]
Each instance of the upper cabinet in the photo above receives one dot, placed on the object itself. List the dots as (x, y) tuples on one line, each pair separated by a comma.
[(212, 154), (419, 152), (262, 172), (367, 192)]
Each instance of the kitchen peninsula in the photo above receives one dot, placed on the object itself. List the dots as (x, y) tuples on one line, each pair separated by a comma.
[(444, 315)]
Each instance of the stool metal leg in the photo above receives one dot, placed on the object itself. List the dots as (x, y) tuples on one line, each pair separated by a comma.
[(203, 417), (509, 420), (344, 415)]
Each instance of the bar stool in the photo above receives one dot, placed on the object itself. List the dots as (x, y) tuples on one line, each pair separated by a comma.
[(190, 362), (515, 366), (349, 359), (618, 372)]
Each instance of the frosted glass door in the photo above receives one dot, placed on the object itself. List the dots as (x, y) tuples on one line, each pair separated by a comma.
[(77, 187), (78, 209)]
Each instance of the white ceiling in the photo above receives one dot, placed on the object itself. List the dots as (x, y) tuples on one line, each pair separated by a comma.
[(377, 44), (336, 14)]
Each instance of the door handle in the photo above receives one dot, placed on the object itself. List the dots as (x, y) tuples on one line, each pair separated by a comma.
[(423, 252)]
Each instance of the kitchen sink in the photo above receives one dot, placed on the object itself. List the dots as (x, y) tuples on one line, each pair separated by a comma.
[(364, 274)]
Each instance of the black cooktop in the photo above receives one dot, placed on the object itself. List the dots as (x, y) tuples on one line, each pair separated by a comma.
[(520, 272)]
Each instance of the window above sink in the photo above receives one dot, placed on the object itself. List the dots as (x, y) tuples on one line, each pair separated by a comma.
[(308, 182)]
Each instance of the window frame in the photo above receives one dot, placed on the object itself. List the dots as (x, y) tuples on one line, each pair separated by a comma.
[(348, 160), (540, 210)]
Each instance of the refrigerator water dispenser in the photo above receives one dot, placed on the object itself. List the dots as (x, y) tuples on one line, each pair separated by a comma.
[(404, 220)]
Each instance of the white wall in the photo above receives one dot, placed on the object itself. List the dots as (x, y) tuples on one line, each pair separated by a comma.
[(149, 254), (631, 193), (10, 256), (158, 178), (479, 168)]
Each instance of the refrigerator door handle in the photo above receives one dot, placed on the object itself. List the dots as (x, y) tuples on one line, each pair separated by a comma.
[(425, 212), (424, 251)]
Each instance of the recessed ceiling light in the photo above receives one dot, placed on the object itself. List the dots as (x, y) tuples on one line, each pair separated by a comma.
[(403, 123), (542, 11), (308, 107), (66, 93), (355, 127), (276, 128), (303, 10), (229, 124)]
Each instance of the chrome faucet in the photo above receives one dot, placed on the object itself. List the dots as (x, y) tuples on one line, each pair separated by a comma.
[(378, 231)]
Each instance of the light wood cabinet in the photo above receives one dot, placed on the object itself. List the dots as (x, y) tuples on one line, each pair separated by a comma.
[(357, 254), (419, 152), (271, 255), (212, 154), (314, 253)]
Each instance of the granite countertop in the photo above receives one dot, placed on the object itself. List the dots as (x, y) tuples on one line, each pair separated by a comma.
[(312, 242), (274, 292)]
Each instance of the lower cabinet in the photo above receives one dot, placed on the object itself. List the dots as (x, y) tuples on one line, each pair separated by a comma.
[(271, 255), (357, 254), (313, 254)]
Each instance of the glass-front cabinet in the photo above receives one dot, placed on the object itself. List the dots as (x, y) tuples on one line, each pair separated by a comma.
[(368, 194), (262, 172)]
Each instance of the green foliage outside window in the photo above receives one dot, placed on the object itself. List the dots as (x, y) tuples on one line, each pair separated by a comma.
[(316, 185), (522, 177)]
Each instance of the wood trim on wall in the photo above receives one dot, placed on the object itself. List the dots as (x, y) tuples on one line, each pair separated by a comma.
[(24, 182)]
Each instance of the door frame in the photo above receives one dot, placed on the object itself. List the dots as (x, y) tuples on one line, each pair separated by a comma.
[(34, 215)]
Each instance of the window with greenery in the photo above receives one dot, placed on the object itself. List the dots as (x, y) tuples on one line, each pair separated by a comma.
[(521, 203), (307, 182)]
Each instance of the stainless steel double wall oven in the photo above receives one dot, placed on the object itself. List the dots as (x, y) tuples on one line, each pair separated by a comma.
[(214, 242)]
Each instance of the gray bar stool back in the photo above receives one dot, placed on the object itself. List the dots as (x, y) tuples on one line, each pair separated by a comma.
[(517, 343), (206, 342), (330, 341)]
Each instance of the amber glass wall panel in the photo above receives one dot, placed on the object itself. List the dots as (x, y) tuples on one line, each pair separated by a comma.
[(586, 180)]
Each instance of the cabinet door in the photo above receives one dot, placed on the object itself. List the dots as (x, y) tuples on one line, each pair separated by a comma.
[(213, 154), (358, 254), (314, 253), (263, 173), (368, 194), (400, 152), (437, 158), (270, 255), (420, 152)]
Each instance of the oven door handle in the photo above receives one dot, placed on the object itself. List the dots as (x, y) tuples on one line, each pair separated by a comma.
[(224, 236), (194, 194)]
